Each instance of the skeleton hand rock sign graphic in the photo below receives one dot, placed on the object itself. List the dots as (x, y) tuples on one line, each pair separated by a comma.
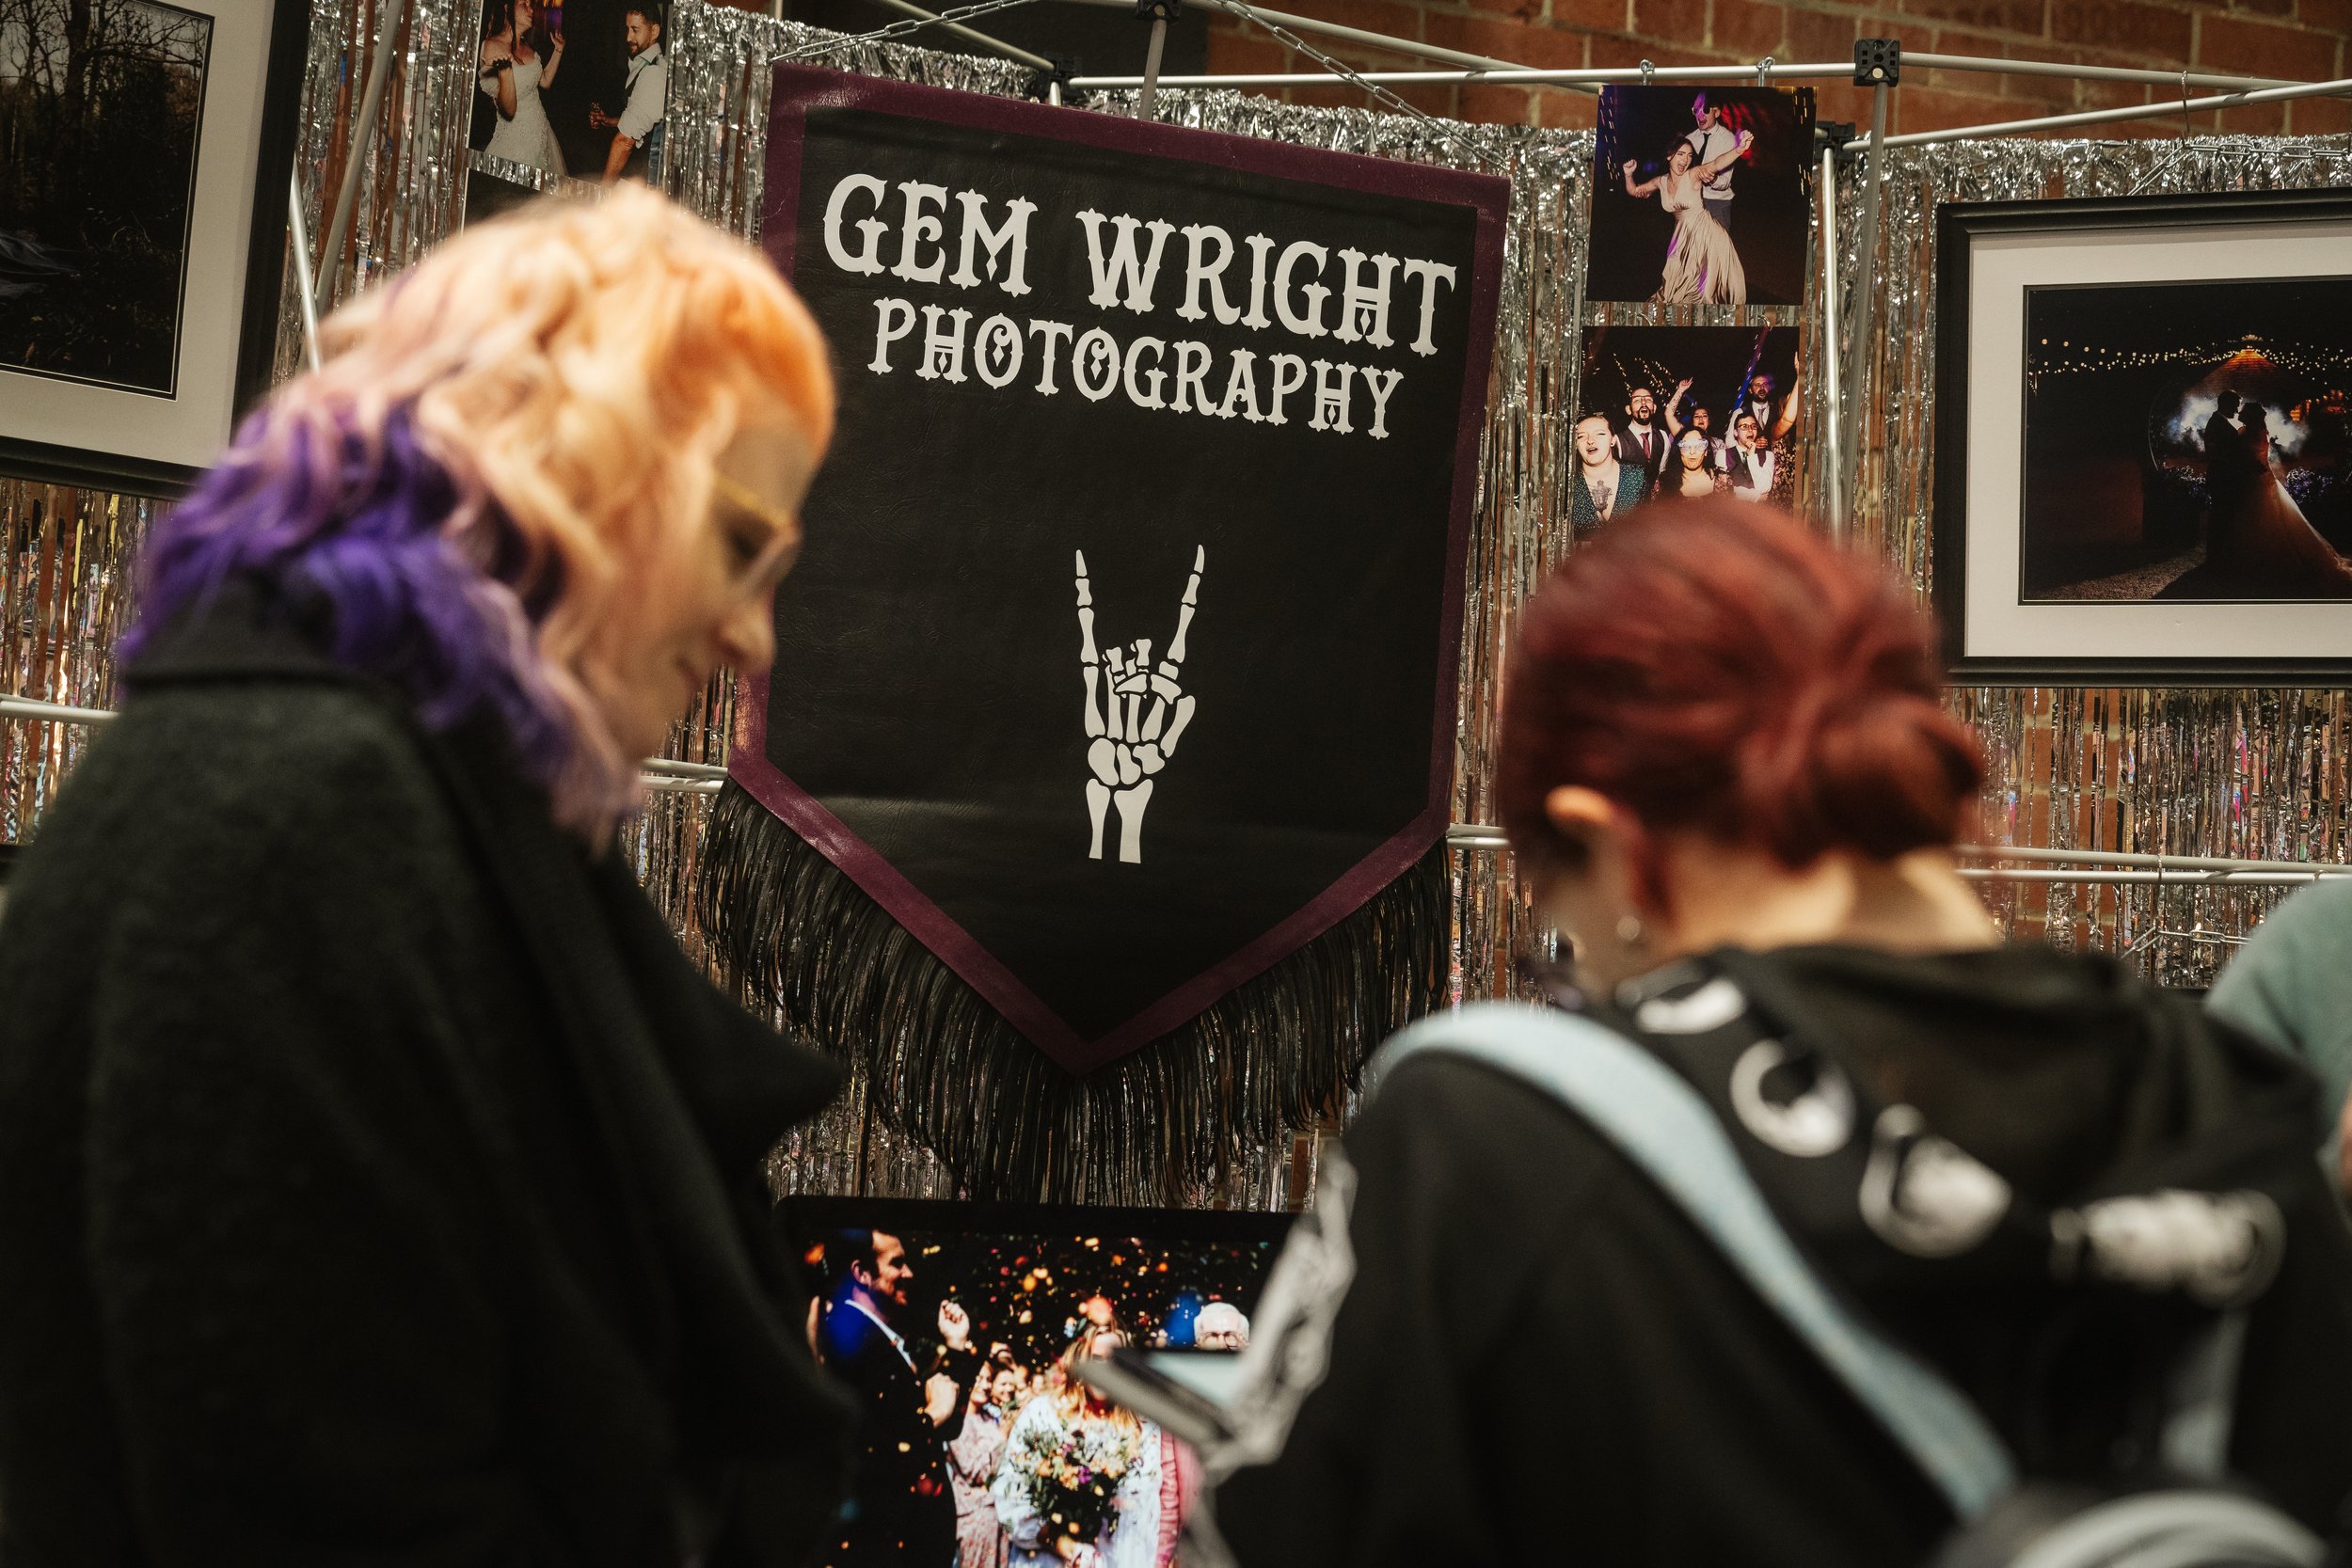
[(1132, 743)]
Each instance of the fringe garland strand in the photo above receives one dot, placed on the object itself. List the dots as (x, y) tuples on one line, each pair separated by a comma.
[(1274, 1057)]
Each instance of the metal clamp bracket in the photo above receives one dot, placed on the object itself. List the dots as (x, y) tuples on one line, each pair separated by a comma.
[(1878, 62), (1042, 83), (1159, 10)]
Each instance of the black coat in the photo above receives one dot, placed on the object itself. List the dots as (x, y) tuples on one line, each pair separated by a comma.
[(378, 1182), (1537, 1357)]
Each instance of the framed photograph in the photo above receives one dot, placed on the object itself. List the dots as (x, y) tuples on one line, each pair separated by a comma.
[(2142, 427), (1701, 196), (142, 231)]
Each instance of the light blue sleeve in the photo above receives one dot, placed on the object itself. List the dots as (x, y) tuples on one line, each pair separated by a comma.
[(2292, 985)]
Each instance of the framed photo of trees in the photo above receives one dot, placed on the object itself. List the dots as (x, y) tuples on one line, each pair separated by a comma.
[(145, 151)]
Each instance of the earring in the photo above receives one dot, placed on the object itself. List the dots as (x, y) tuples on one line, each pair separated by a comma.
[(1629, 930)]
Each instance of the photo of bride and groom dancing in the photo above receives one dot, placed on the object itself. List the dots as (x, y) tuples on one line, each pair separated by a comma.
[(575, 88), (2188, 441), (1722, 216), (2258, 543)]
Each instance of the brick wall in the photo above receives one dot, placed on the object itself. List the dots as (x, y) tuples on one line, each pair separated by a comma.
[(2298, 39)]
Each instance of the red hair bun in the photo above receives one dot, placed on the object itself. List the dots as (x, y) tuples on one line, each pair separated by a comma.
[(1714, 667)]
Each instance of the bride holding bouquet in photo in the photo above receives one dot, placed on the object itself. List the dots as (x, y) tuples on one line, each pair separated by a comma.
[(1079, 1482), (1701, 264)]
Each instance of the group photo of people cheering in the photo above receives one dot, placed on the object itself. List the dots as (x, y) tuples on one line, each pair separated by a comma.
[(1683, 411)]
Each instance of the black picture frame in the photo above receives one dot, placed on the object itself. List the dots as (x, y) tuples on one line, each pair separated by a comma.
[(1960, 225), (94, 465), (811, 1216)]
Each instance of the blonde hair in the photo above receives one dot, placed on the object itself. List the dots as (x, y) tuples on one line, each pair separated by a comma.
[(575, 369), (1072, 1398)]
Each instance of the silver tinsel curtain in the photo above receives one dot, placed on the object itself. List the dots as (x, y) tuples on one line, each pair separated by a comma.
[(2256, 774)]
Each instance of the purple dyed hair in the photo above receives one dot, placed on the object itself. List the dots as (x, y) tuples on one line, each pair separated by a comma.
[(370, 532)]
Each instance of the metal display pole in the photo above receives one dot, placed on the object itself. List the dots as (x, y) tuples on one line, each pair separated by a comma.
[(1833, 383), (1357, 35), (1882, 76), (969, 34), (2090, 72), (2059, 866), (1480, 69), (1151, 82), (661, 775), (371, 107), (298, 233), (2341, 85), (1498, 76)]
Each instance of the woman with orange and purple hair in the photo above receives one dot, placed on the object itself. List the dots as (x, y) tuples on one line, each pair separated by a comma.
[(378, 1181)]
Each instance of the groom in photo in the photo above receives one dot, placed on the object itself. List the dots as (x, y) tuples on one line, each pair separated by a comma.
[(902, 1510), (2230, 469), (636, 150), (1710, 141)]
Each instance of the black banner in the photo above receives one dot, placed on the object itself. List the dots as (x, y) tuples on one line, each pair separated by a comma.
[(1120, 659)]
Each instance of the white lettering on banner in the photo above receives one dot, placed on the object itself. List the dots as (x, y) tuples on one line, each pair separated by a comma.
[(1098, 366), (1098, 351), (1012, 234), (1051, 332), (942, 352), (883, 334), (1310, 323), (919, 230), (1124, 255), (1430, 273), (1211, 273), (867, 259), (1364, 307), (1331, 400), (1134, 359), (1284, 385), (1192, 372), (997, 351), (1241, 385), (1260, 248), (1123, 264), (1380, 398)]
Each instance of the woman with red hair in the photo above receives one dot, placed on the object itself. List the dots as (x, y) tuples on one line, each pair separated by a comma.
[(1730, 783)]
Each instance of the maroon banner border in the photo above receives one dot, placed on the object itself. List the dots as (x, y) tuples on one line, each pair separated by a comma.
[(800, 88)]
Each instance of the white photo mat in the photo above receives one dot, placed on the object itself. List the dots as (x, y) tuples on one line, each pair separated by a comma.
[(191, 425)]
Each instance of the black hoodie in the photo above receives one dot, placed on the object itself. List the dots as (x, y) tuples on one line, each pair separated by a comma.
[(1538, 1357)]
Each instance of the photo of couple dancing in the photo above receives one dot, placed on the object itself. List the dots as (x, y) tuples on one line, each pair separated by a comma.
[(978, 1445), (2255, 535), (2186, 441), (1701, 198), (572, 87), (1649, 426)]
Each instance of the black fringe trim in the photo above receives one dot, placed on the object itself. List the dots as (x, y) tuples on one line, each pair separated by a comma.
[(1158, 1126)]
